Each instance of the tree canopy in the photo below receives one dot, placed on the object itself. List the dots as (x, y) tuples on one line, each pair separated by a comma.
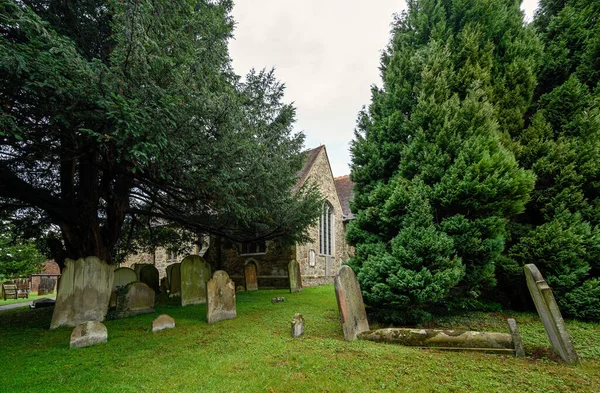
[(117, 114)]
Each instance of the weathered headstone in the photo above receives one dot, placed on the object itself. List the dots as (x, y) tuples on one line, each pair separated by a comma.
[(195, 272), (168, 271), (149, 275), (175, 280), (297, 325), (162, 322), (516, 337), (139, 299), (251, 277), (550, 315), (83, 292), (221, 298), (88, 334), (46, 286), (295, 277), (123, 277), (350, 303)]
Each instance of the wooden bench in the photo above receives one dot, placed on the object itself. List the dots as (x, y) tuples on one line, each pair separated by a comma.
[(11, 292)]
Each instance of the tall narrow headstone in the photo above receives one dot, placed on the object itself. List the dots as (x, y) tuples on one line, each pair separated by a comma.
[(168, 270), (350, 303), (516, 337), (123, 276), (139, 299), (295, 277), (195, 272), (149, 275), (221, 298), (251, 277), (550, 315), (175, 281), (83, 292)]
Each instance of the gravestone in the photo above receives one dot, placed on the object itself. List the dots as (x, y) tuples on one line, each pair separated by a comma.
[(123, 277), (350, 303), (195, 272), (83, 292), (516, 337), (88, 334), (175, 280), (162, 322), (46, 285), (149, 275), (221, 298), (550, 315), (168, 271), (139, 299), (295, 277), (297, 325), (251, 278)]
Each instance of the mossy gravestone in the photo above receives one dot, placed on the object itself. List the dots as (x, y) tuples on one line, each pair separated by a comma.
[(174, 276), (350, 303), (251, 277), (550, 315), (123, 276), (221, 298), (83, 292), (139, 299), (195, 272), (149, 275), (294, 275)]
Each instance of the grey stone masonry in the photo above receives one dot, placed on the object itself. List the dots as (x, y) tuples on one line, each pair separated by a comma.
[(350, 303), (550, 315)]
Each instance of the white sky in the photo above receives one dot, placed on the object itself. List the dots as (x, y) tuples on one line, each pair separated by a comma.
[(327, 54)]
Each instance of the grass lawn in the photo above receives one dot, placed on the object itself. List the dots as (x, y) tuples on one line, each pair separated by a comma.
[(32, 296), (255, 353)]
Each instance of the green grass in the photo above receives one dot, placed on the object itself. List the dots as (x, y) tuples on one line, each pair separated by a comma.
[(32, 296), (255, 353)]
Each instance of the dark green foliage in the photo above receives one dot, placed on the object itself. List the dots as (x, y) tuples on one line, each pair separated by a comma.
[(583, 302), (434, 184), (18, 259)]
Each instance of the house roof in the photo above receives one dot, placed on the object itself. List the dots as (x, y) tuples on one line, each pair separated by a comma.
[(311, 156), (345, 190)]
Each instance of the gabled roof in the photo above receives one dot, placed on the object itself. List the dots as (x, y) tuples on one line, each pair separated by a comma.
[(311, 156), (345, 190)]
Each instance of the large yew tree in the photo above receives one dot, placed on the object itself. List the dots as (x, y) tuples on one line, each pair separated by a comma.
[(128, 111)]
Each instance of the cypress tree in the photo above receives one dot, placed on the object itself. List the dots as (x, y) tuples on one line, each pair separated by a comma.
[(434, 180)]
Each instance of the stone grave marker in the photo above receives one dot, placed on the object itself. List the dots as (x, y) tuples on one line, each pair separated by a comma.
[(195, 272), (516, 337), (83, 292), (149, 275), (295, 277), (297, 325), (88, 334), (123, 277), (139, 299), (550, 315), (175, 279), (46, 285), (162, 322), (221, 298), (251, 277), (350, 303)]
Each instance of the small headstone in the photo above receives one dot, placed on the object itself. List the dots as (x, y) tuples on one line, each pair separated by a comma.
[(221, 298), (240, 288), (251, 277), (162, 322), (279, 299), (295, 277), (123, 277), (516, 337), (88, 334), (149, 275), (350, 303), (175, 280), (46, 285), (195, 272), (550, 315), (139, 299), (83, 292), (297, 325)]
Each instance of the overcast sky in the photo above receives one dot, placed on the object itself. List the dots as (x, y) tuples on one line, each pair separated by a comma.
[(327, 54)]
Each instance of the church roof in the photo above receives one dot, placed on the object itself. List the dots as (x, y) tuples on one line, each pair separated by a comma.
[(311, 156), (345, 190)]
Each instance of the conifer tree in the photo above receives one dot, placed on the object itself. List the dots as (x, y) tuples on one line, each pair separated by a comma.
[(434, 182)]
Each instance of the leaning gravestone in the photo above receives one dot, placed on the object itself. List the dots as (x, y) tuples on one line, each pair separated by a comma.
[(139, 299), (175, 280), (195, 272), (550, 315), (88, 334), (123, 277), (83, 292), (250, 276), (295, 277), (149, 275), (221, 298), (350, 303)]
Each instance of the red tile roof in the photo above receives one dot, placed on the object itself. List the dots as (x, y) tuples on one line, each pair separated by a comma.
[(345, 190)]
